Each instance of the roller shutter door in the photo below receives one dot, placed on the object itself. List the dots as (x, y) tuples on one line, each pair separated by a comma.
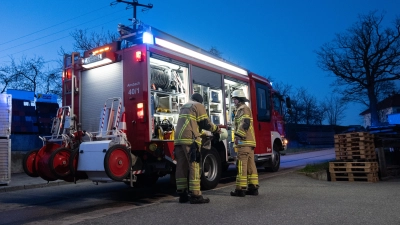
[(98, 85), (5, 160)]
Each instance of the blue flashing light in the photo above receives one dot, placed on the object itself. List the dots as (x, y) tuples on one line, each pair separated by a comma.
[(148, 38)]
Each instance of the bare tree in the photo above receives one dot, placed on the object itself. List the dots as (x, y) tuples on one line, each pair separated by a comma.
[(214, 51), (85, 41), (305, 109), (365, 60), (295, 116), (318, 114), (282, 88), (30, 75), (334, 108), (6, 78), (310, 106)]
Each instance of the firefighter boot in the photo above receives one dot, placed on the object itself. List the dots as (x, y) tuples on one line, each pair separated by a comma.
[(183, 197), (252, 190), (198, 199), (238, 193)]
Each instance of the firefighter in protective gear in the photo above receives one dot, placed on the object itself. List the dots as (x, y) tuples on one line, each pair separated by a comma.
[(192, 120), (245, 142)]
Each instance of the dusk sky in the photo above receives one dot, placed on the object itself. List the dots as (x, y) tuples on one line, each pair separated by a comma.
[(272, 38)]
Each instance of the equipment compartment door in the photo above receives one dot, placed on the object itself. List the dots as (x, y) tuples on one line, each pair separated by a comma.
[(136, 95), (98, 85)]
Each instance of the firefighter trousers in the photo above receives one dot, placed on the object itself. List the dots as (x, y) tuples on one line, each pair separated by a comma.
[(184, 168), (246, 169)]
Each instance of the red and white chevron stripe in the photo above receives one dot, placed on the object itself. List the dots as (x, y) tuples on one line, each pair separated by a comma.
[(138, 172)]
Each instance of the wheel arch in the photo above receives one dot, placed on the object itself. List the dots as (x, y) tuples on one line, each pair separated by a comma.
[(277, 141)]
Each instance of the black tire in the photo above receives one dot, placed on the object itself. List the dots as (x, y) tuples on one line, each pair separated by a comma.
[(210, 169), (275, 161), (28, 163), (117, 162)]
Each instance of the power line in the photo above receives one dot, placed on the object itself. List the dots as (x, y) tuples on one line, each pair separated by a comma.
[(56, 32), (53, 26), (53, 40)]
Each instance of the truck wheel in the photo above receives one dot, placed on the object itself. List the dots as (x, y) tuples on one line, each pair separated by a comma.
[(28, 163), (117, 162), (275, 161), (211, 169), (59, 162)]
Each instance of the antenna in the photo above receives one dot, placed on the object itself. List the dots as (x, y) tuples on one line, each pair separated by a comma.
[(135, 3)]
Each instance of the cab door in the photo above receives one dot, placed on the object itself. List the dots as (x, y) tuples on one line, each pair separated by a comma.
[(262, 119)]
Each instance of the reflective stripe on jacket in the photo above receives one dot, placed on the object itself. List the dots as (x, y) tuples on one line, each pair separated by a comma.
[(192, 119), (244, 129)]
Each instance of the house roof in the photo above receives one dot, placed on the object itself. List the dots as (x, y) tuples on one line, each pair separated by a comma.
[(391, 101)]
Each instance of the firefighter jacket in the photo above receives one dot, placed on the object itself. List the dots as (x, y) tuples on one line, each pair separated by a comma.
[(244, 129), (192, 120)]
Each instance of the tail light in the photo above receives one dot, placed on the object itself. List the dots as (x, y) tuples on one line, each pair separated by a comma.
[(138, 56), (140, 112)]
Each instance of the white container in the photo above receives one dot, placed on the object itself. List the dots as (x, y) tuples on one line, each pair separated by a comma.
[(5, 115), (91, 160)]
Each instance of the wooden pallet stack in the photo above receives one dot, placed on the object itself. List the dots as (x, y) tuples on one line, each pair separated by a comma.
[(355, 158)]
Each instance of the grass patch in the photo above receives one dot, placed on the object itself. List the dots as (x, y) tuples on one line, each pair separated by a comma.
[(311, 168)]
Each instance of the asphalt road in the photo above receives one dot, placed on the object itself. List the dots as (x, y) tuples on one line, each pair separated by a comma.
[(286, 197)]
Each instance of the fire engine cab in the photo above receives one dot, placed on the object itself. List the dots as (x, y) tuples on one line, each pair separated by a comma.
[(124, 99)]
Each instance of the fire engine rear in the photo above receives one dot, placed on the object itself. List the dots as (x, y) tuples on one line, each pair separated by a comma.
[(122, 103)]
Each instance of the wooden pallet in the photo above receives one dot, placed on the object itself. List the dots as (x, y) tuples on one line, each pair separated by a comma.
[(354, 134), (353, 167), (357, 151), (356, 148), (354, 137), (351, 155), (367, 177), (356, 145), (359, 144), (353, 140)]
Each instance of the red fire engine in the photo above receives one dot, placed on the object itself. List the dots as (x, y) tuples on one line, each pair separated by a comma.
[(121, 104)]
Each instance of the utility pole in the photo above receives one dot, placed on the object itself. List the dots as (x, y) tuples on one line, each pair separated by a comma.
[(135, 4)]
